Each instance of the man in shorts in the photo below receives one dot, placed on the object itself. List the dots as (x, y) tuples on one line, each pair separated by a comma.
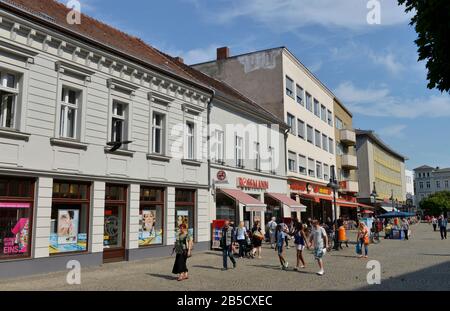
[(319, 239)]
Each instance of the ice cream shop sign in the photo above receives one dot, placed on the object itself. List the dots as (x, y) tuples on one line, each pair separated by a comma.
[(248, 183)]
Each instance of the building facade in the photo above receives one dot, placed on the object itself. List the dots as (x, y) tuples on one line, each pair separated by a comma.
[(346, 162), (410, 191), (69, 94), (277, 80), (382, 167), (429, 180)]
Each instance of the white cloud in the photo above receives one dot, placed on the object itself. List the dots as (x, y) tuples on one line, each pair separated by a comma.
[(388, 61), (378, 102), (193, 56), (294, 14), (395, 131)]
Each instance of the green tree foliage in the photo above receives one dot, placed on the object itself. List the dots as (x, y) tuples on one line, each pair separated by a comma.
[(436, 203), (432, 24)]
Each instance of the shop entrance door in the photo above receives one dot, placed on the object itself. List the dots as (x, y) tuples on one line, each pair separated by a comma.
[(114, 233)]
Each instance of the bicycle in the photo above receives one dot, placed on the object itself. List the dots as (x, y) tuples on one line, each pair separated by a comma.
[(375, 237)]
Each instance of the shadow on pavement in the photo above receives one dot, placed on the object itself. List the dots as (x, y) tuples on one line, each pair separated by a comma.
[(429, 279), (163, 276), (439, 255), (206, 267)]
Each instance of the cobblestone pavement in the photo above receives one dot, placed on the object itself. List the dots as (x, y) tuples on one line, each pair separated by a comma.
[(421, 263)]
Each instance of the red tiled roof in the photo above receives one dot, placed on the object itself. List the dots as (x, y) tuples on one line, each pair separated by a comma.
[(53, 12)]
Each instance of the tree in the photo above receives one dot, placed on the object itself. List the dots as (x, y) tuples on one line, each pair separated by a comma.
[(433, 28), (437, 203)]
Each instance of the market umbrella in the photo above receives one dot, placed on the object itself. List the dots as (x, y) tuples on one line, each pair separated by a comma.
[(397, 215)]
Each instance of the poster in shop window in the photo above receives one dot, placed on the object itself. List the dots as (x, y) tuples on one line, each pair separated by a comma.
[(183, 219), (149, 234), (68, 226)]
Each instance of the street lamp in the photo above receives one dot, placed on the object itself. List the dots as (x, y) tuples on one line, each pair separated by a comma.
[(392, 199), (374, 195), (333, 184)]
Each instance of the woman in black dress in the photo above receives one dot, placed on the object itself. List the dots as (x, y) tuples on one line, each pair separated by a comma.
[(183, 249), (257, 238)]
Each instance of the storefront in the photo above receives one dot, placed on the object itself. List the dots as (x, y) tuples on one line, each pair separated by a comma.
[(151, 216), (69, 225), (115, 230), (16, 215), (317, 199), (283, 208), (185, 210)]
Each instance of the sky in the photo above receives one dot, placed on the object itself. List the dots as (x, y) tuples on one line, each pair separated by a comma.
[(372, 68)]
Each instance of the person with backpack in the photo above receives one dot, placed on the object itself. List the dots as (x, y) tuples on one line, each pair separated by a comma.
[(280, 240), (300, 242), (183, 249), (272, 226), (241, 238), (319, 239), (226, 243)]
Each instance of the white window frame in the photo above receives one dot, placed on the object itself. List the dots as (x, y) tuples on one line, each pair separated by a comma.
[(291, 122), (326, 172), (219, 147), (309, 101), (162, 133), (257, 152), (303, 169), (239, 151), (300, 95), (290, 91), (330, 117), (311, 171), (309, 127), (190, 140), (13, 92), (271, 151), (292, 157), (318, 142), (323, 112), (331, 145), (316, 105), (65, 106), (301, 125), (325, 142), (319, 170), (124, 118)]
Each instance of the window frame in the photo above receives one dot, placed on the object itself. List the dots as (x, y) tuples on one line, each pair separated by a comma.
[(162, 131), (316, 105), (311, 172), (13, 92), (323, 113), (300, 99), (292, 162), (65, 106), (309, 130), (290, 92), (325, 142), (318, 142), (239, 151), (301, 125), (303, 170), (190, 140), (308, 101), (291, 122)]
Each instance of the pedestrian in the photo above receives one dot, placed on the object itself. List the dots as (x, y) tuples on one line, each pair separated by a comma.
[(443, 227), (272, 226), (280, 236), (183, 250), (405, 228), (319, 239), (300, 242), (285, 229), (362, 240), (434, 222), (257, 238), (241, 238), (226, 243)]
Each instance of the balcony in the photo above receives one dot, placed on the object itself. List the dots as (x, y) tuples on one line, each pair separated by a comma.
[(349, 186), (349, 161), (348, 137)]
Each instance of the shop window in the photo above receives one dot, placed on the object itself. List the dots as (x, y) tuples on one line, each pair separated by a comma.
[(69, 217), (16, 209), (225, 208), (115, 221), (151, 217), (184, 210)]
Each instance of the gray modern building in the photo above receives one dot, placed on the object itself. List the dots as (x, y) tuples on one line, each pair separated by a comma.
[(429, 180)]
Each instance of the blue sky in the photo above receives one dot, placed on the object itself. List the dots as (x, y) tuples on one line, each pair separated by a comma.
[(373, 69)]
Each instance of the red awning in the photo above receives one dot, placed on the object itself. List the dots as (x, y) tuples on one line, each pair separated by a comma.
[(365, 206), (284, 199), (316, 198), (345, 203), (252, 204)]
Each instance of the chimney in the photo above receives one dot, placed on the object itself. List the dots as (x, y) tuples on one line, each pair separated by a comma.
[(179, 59), (223, 53)]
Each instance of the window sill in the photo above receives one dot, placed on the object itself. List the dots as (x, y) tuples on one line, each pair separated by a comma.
[(121, 152), (68, 143), (13, 134), (158, 157), (191, 162)]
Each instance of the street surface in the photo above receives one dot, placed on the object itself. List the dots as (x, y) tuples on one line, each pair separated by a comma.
[(422, 263)]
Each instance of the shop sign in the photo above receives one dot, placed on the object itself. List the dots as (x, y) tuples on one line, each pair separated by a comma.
[(310, 188), (221, 176), (252, 183), (14, 205)]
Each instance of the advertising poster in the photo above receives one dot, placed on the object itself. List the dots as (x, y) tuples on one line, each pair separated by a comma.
[(183, 219), (149, 234), (68, 226)]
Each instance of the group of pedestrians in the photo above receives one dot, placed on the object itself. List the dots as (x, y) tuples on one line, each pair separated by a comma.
[(442, 223)]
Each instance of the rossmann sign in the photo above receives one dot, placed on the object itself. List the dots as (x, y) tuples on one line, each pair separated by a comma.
[(249, 183)]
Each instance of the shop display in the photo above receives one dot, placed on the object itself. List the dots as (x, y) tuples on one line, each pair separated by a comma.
[(149, 232)]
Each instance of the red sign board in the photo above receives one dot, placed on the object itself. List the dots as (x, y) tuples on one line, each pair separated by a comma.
[(252, 183), (310, 188), (221, 175)]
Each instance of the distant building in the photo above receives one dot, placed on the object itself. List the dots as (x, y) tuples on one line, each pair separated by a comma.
[(381, 166), (429, 180), (410, 193)]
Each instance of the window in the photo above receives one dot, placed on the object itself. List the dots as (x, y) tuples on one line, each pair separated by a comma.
[(219, 150), (330, 118), (190, 141), (271, 159), (300, 95), (151, 215), (339, 124), (119, 125), (16, 209), (318, 139), (428, 185), (257, 157), (289, 87), (184, 210), (309, 102), (301, 129), (291, 123), (323, 113), (158, 133), (69, 113), (446, 183), (326, 172), (325, 142), (292, 162), (69, 217), (331, 145), (318, 169), (239, 152), (339, 149), (428, 174), (438, 184), (316, 108), (421, 185), (302, 164), (310, 134), (9, 90), (311, 168)]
